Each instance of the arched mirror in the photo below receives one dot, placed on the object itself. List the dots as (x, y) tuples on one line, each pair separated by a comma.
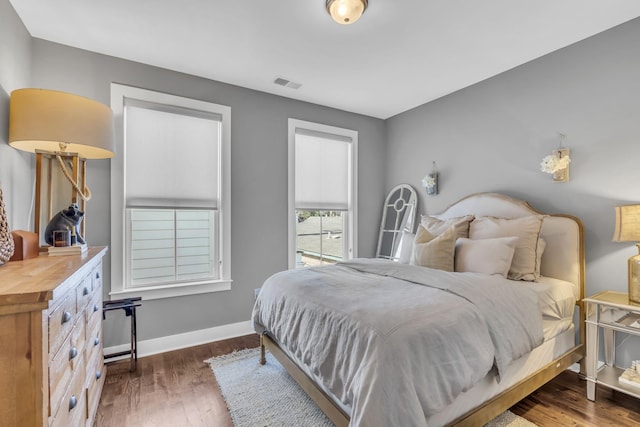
[(398, 215)]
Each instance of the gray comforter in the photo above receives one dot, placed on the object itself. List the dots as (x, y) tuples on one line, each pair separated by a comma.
[(397, 343)]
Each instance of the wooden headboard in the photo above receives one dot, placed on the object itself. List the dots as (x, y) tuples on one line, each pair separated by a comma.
[(563, 257)]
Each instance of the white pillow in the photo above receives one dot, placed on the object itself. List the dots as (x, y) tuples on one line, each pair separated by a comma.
[(434, 251), (437, 226), (406, 247), (490, 256), (524, 265)]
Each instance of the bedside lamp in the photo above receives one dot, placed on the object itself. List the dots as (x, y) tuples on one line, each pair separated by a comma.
[(628, 230), (62, 127)]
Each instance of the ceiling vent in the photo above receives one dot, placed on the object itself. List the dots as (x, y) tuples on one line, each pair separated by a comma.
[(287, 83)]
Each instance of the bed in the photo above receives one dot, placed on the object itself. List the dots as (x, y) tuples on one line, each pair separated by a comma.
[(378, 342)]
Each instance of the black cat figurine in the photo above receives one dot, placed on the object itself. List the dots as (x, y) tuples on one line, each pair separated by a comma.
[(66, 219)]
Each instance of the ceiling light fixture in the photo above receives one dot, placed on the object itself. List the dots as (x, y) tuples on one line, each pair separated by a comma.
[(346, 11)]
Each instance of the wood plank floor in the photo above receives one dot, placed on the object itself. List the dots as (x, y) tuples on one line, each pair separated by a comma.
[(178, 389)]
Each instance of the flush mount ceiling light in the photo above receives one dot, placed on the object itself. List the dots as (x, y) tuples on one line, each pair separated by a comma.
[(346, 11)]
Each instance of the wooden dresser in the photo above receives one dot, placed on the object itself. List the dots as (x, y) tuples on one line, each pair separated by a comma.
[(51, 363)]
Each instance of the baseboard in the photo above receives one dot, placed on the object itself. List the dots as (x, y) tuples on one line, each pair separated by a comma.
[(187, 339)]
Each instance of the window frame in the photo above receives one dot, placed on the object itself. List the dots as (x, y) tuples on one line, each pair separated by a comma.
[(119, 225), (351, 229)]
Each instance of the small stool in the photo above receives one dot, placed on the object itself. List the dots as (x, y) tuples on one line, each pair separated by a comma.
[(129, 306)]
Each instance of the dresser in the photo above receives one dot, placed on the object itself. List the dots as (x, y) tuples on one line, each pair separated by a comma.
[(51, 362)]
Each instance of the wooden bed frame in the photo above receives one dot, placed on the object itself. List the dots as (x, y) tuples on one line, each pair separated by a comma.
[(482, 204)]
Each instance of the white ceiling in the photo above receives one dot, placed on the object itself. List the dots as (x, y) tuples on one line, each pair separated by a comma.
[(400, 54)]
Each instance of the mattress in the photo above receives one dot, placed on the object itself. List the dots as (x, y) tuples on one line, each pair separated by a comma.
[(557, 302)]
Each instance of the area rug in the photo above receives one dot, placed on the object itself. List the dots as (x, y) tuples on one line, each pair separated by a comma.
[(260, 396)]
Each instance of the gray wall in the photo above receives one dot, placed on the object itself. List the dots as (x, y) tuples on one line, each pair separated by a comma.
[(259, 170), (493, 135), (258, 181), (16, 175)]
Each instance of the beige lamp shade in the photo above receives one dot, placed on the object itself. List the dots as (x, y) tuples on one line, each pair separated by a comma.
[(627, 224), (53, 121)]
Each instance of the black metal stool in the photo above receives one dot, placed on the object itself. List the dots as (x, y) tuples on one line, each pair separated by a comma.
[(129, 306)]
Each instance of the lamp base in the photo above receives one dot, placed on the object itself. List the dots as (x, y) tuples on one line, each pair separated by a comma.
[(634, 277)]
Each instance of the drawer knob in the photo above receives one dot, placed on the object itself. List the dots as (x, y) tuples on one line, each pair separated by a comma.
[(85, 291), (73, 353), (66, 316), (95, 307), (96, 341), (98, 375), (73, 402), (97, 275)]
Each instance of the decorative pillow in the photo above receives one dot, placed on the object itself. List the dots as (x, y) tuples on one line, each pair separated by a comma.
[(524, 265), (539, 251), (406, 247), (434, 251), (490, 256), (437, 226)]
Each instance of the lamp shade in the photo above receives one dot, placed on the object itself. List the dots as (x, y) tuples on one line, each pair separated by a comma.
[(346, 11), (41, 119), (627, 224)]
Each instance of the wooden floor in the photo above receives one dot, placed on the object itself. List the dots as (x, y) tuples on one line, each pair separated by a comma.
[(178, 389)]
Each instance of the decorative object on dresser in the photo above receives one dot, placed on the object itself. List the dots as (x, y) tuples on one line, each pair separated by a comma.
[(6, 240), (557, 163), (51, 365), (430, 181), (628, 230), (64, 128), (26, 245)]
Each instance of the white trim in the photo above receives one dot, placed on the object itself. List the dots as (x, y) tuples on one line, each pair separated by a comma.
[(118, 94), (352, 217), (174, 290), (184, 340)]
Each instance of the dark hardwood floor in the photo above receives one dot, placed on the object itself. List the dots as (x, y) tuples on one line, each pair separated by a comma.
[(178, 389)]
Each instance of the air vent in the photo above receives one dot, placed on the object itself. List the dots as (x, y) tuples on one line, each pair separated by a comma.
[(287, 83)]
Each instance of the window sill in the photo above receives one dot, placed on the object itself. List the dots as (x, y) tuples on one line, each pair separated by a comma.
[(175, 290)]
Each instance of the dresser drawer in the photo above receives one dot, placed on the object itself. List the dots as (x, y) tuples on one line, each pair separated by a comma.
[(94, 389), (73, 405), (93, 311), (97, 277), (84, 293), (61, 320), (66, 363), (93, 349)]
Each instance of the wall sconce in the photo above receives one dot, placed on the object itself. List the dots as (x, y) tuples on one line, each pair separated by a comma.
[(65, 128), (430, 182), (557, 163), (628, 230)]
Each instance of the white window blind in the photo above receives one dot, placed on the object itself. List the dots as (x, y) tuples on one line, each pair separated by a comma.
[(171, 245), (322, 170), (172, 157)]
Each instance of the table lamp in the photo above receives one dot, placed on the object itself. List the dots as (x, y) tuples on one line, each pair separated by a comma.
[(63, 127), (628, 230)]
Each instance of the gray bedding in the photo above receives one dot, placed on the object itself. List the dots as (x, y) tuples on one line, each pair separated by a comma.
[(397, 343)]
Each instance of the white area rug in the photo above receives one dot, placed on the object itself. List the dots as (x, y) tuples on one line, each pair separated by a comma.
[(266, 396)]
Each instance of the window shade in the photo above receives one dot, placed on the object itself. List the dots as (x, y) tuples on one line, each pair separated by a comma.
[(321, 171), (171, 158)]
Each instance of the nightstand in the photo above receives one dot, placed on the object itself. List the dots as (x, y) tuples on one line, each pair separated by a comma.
[(608, 312)]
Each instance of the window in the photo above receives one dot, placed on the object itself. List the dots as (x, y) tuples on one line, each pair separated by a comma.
[(170, 195), (322, 193)]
